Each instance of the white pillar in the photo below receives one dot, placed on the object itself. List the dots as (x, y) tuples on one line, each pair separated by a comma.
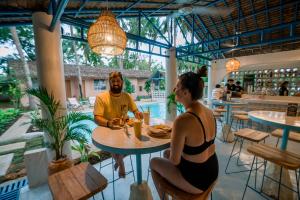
[(171, 79), (49, 59), (210, 85)]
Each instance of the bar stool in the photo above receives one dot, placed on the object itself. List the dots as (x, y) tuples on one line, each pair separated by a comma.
[(170, 190), (293, 136), (241, 135), (284, 159), (113, 172), (240, 119)]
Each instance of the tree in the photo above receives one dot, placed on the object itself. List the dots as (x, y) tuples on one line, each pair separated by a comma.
[(129, 88), (147, 86), (17, 42)]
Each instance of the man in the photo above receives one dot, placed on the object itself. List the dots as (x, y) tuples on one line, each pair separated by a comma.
[(217, 93), (283, 91), (111, 107), (230, 85), (238, 87)]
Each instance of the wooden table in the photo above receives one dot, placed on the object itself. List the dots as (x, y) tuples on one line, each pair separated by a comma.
[(278, 120), (226, 129), (78, 182), (118, 142)]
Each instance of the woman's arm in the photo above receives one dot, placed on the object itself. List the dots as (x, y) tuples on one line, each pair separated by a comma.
[(178, 139)]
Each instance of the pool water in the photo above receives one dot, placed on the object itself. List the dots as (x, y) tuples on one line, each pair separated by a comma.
[(157, 110)]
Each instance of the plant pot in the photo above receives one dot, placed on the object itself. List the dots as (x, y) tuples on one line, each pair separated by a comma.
[(59, 165)]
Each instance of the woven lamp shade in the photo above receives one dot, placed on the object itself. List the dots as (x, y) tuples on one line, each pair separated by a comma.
[(106, 37), (232, 65)]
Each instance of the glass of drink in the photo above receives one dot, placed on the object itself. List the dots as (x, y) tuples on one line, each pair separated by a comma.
[(146, 117), (137, 126)]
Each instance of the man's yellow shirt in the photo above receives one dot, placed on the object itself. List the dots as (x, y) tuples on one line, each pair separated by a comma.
[(109, 106)]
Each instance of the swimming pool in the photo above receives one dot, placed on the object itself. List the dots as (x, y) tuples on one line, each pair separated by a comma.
[(157, 110)]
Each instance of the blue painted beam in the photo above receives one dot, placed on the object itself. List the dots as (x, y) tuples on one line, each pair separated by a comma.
[(161, 7), (129, 7), (61, 7), (157, 29), (245, 34), (186, 41), (253, 11), (262, 42), (81, 7)]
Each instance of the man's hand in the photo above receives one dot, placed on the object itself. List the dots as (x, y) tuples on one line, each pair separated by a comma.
[(114, 123), (138, 115)]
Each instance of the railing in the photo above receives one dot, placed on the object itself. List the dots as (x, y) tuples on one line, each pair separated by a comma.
[(158, 95)]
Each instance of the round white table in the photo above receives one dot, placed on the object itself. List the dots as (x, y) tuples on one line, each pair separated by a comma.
[(278, 120), (226, 129), (118, 142)]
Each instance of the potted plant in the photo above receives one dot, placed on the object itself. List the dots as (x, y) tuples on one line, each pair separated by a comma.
[(171, 100), (85, 151), (59, 128)]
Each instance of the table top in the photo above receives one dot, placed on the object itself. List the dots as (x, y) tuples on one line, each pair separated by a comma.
[(277, 119), (78, 182), (117, 141)]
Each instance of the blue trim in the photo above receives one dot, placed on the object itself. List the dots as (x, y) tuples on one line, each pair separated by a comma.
[(186, 41), (81, 7), (285, 138), (139, 168), (161, 7), (157, 29), (61, 7), (129, 7)]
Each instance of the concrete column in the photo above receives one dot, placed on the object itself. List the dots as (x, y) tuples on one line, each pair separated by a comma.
[(171, 79), (210, 85), (49, 60), (49, 56)]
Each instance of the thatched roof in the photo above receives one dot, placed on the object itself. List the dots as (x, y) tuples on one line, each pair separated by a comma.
[(87, 72)]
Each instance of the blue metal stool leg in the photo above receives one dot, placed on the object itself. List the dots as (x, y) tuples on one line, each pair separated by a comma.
[(248, 178)]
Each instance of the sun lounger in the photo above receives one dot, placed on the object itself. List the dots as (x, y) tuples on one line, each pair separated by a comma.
[(74, 104), (92, 101)]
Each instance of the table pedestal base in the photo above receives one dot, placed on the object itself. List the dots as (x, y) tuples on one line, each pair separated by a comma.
[(140, 191), (226, 135), (271, 188)]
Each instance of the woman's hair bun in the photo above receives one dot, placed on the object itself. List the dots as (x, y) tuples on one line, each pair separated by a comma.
[(202, 72)]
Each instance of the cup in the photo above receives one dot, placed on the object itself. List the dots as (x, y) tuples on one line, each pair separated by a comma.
[(146, 117), (137, 126)]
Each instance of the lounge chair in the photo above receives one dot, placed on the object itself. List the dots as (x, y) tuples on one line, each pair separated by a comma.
[(92, 101), (74, 104)]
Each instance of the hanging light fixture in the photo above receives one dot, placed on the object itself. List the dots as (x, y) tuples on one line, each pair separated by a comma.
[(105, 36), (232, 65)]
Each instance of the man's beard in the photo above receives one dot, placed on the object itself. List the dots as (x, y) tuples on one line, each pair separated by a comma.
[(116, 90)]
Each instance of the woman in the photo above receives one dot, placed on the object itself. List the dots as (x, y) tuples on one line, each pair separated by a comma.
[(283, 91), (191, 163)]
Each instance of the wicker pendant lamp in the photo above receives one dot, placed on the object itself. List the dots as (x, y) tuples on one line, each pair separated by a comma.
[(232, 65), (106, 37)]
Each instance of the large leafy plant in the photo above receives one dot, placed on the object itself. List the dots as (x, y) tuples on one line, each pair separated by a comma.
[(59, 128)]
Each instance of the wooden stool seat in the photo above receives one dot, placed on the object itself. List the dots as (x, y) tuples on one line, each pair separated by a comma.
[(293, 136), (285, 159), (217, 114), (178, 194), (220, 110), (78, 182), (251, 135), (241, 117), (239, 112)]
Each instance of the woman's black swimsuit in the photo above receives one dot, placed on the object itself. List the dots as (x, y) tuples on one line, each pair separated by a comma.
[(200, 175)]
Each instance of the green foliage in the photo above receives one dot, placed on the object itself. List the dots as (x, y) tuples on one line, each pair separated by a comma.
[(15, 94), (59, 128), (184, 66), (129, 88), (171, 100), (6, 117), (147, 86), (162, 84), (85, 151)]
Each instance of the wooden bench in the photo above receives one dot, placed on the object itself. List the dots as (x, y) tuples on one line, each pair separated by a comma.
[(285, 159), (176, 193), (78, 182)]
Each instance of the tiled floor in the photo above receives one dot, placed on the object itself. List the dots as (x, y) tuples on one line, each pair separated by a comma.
[(228, 186)]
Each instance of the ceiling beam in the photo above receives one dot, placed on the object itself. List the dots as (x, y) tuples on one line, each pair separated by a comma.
[(129, 7), (60, 9)]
